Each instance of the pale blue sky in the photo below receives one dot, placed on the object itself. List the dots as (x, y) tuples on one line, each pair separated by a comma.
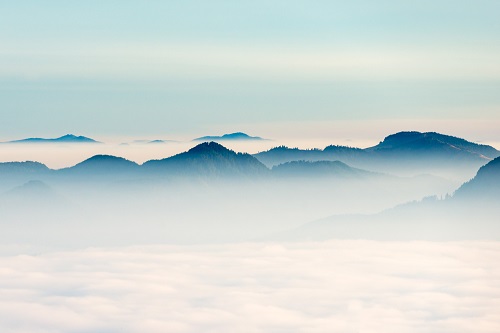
[(172, 67)]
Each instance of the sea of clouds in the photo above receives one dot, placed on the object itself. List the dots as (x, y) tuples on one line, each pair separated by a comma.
[(335, 286)]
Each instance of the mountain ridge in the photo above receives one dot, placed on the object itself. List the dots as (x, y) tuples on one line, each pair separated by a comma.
[(237, 136), (68, 138)]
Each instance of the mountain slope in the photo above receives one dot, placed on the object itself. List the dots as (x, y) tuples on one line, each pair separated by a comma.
[(320, 169), (484, 186), (102, 165), (208, 159), (471, 213)]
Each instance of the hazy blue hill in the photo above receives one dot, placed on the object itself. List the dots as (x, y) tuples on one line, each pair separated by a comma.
[(320, 169), (32, 194), (335, 149), (68, 138), (102, 165), (484, 186), (36, 212), (26, 168), (431, 142), (283, 154), (15, 173), (229, 137), (208, 159), (32, 188)]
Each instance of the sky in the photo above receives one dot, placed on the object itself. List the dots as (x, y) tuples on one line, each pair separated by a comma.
[(279, 69)]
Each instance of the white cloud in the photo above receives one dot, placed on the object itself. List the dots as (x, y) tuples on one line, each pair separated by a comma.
[(340, 286)]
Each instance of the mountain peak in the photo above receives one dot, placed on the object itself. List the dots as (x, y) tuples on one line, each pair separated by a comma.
[(68, 138), (104, 164), (73, 138), (228, 137), (209, 159), (209, 147), (428, 141)]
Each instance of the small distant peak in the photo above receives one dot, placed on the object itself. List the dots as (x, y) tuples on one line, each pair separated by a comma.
[(104, 158), (208, 146), (35, 184), (236, 135), (227, 137), (399, 138), (68, 138), (74, 138), (405, 135), (32, 187)]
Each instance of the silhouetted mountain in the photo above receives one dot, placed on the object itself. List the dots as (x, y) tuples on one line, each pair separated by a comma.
[(321, 169), (29, 167), (431, 142), (68, 138), (229, 137), (102, 165), (15, 173), (145, 142), (208, 159), (404, 153), (283, 154), (484, 186)]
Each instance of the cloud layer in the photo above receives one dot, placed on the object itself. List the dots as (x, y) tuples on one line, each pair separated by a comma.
[(338, 286)]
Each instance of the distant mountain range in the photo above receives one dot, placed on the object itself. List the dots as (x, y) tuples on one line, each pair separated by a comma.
[(398, 153), (205, 160), (68, 138), (238, 136), (399, 145), (107, 187), (211, 159)]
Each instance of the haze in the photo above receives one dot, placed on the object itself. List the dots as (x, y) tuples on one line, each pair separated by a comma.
[(370, 205)]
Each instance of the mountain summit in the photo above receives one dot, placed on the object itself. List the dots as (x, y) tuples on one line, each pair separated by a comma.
[(433, 142), (103, 164), (229, 137), (208, 159)]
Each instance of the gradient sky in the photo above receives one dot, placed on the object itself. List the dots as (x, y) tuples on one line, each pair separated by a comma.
[(170, 68)]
